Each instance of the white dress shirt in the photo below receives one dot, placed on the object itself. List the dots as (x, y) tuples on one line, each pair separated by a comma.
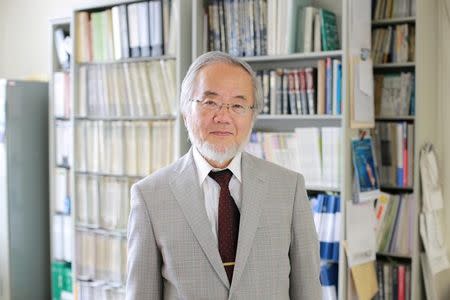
[(211, 188)]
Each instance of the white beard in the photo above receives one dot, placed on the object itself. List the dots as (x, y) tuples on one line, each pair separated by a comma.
[(210, 152)]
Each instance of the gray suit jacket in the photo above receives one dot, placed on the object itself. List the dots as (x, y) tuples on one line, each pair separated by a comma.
[(171, 249)]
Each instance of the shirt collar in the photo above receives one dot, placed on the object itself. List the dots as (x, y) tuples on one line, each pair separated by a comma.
[(203, 167)]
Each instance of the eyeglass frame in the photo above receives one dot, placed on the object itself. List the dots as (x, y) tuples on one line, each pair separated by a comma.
[(229, 106)]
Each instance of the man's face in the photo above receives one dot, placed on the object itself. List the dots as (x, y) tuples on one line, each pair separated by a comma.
[(222, 131)]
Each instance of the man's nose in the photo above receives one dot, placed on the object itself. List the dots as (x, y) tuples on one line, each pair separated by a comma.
[(223, 114)]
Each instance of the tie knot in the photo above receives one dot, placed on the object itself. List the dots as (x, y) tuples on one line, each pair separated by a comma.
[(221, 177)]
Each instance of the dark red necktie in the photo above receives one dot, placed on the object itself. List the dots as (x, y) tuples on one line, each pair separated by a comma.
[(229, 216)]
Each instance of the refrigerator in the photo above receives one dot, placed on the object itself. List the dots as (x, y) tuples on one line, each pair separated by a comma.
[(24, 195)]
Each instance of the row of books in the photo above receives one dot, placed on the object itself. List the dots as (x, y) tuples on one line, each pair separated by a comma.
[(394, 94), (316, 31), (327, 219), (260, 27), (303, 91), (394, 280), (63, 143), (101, 257), (102, 202), (61, 94), (98, 290), (61, 273), (394, 150), (313, 152), (129, 30), (329, 279), (395, 221), (62, 226), (394, 44), (386, 9), (124, 147), (127, 89)]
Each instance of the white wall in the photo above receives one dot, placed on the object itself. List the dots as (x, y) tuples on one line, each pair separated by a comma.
[(444, 106), (24, 34)]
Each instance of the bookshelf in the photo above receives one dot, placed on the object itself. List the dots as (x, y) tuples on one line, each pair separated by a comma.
[(120, 99), (60, 161), (282, 124), (421, 65)]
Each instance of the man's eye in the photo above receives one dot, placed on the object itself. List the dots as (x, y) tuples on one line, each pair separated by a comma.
[(238, 107), (209, 103)]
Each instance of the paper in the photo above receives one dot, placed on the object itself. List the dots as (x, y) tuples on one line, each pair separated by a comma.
[(433, 240), (365, 280), (362, 110), (366, 77), (361, 241), (429, 174)]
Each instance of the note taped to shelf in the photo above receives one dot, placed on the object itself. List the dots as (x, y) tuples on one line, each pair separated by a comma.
[(362, 111)]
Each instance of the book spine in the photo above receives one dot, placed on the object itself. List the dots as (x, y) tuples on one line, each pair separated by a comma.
[(329, 87)]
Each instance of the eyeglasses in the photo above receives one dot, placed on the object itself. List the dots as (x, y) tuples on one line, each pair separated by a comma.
[(210, 105)]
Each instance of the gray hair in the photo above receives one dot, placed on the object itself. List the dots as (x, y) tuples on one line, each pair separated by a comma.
[(218, 57)]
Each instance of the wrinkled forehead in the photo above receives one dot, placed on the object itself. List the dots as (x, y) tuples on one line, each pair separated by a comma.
[(223, 79)]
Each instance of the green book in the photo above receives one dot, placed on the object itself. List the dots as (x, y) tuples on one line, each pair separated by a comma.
[(329, 33), (57, 279), (67, 274)]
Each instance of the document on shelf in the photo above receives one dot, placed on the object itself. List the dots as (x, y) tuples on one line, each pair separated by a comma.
[(361, 241)]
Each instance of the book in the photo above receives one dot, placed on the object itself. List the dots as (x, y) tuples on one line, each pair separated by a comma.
[(330, 37), (367, 185)]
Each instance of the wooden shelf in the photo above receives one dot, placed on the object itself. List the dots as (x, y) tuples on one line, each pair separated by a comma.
[(294, 56), (319, 188), (62, 119), (288, 123), (148, 118), (395, 119), (406, 65), (396, 189), (393, 21), (100, 174), (127, 60), (67, 167), (394, 256), (97, 230)]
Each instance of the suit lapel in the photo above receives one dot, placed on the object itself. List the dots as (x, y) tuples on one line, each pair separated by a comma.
[(253, 193), (189, 195)]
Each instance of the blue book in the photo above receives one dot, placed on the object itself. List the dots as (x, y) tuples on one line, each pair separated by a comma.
[(339, 90), (329, 87)]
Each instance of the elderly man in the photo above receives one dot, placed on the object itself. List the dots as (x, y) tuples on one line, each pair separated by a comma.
[(220, 223)]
